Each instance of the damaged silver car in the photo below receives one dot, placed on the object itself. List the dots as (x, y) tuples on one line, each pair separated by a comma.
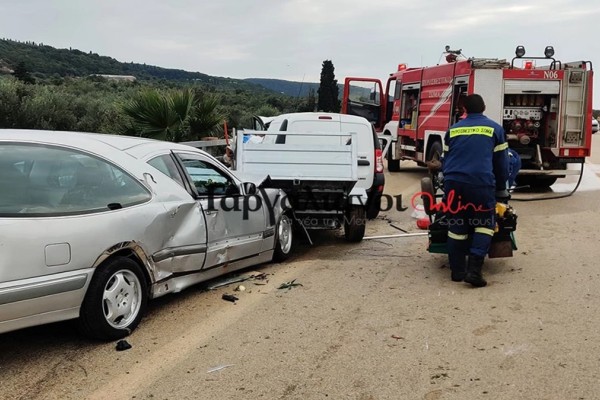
[(93, 226)]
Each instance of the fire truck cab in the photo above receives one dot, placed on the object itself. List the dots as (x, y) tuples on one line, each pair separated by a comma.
[(546, 111)]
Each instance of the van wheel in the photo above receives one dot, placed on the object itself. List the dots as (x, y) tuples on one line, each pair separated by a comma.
[(283, 239), (115, 300), (355, 224)]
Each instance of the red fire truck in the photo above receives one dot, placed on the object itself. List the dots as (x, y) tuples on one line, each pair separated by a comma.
[(546, 111)]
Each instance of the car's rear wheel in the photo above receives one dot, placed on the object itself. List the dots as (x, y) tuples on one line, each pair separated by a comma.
[(355, 224), (284, 239), (115, 300)]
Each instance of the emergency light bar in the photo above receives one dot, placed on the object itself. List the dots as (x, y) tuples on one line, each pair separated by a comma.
[(529, 64)]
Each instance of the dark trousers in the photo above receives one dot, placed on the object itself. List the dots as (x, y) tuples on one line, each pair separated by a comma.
[(470, 215)]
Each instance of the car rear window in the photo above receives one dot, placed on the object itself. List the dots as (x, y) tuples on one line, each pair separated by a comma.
[(37, 180)]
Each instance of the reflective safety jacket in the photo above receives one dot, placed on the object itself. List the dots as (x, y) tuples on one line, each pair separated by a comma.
[(476, 152)]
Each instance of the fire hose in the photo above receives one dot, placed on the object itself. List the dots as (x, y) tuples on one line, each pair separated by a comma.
[(558, 196)]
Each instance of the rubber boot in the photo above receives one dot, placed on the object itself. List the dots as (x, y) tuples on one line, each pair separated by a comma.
[(457, 276), (458, 272), (457, 258), (473, 275)]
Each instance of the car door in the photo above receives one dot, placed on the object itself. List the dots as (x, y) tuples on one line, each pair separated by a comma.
[(184, 232), (235, 221)]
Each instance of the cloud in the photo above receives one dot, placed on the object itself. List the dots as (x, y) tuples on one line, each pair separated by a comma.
[(289, 39)]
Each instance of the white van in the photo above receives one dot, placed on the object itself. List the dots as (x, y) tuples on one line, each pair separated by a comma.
[(370, 165)]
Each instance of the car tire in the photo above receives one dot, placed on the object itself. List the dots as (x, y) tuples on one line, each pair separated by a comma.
[(355, 224), (284, 238), (115, 300), (427, 195)]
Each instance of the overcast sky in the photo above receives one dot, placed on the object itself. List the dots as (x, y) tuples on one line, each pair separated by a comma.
[(289, 39)]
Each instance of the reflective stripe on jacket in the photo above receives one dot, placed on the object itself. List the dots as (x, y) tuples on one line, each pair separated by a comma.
[(476, 152)]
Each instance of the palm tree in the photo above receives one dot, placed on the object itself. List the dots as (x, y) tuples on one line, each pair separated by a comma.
[(175, 116), (159, 115), (206, 118)]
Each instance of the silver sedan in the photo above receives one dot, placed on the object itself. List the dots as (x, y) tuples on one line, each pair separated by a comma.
[(92, 226)]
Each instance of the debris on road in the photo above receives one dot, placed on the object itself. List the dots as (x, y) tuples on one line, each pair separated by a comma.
[(261, 277), (400, 235), (289, 285), (238, 279), (229, 297), (219, 368), (240, 288), (123, 345), (397, 227)]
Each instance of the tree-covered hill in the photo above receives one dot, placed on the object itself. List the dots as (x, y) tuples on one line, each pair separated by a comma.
[(45, 61), (300, 89), (42, 87), (289, 88)]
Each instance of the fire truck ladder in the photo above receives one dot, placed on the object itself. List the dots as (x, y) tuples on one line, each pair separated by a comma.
[(574, 106)]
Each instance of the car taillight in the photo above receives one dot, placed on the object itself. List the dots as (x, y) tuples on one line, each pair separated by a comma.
[(378, 160)]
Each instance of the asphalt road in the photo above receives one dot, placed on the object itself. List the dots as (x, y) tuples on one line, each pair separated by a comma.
[(374, 320)]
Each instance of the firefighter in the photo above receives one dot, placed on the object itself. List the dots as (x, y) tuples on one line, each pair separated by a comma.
[(475, 169), (514, 165)]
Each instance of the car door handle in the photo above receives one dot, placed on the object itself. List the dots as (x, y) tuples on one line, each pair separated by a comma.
[(364, 162), (211, 212)]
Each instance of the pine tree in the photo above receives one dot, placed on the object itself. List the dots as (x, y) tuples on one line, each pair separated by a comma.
[(22, 74), (328, 89)]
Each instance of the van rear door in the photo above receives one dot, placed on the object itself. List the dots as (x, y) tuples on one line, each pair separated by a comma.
[(366, 152)]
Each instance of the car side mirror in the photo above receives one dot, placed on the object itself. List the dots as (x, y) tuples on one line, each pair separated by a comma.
[(249, 188)]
